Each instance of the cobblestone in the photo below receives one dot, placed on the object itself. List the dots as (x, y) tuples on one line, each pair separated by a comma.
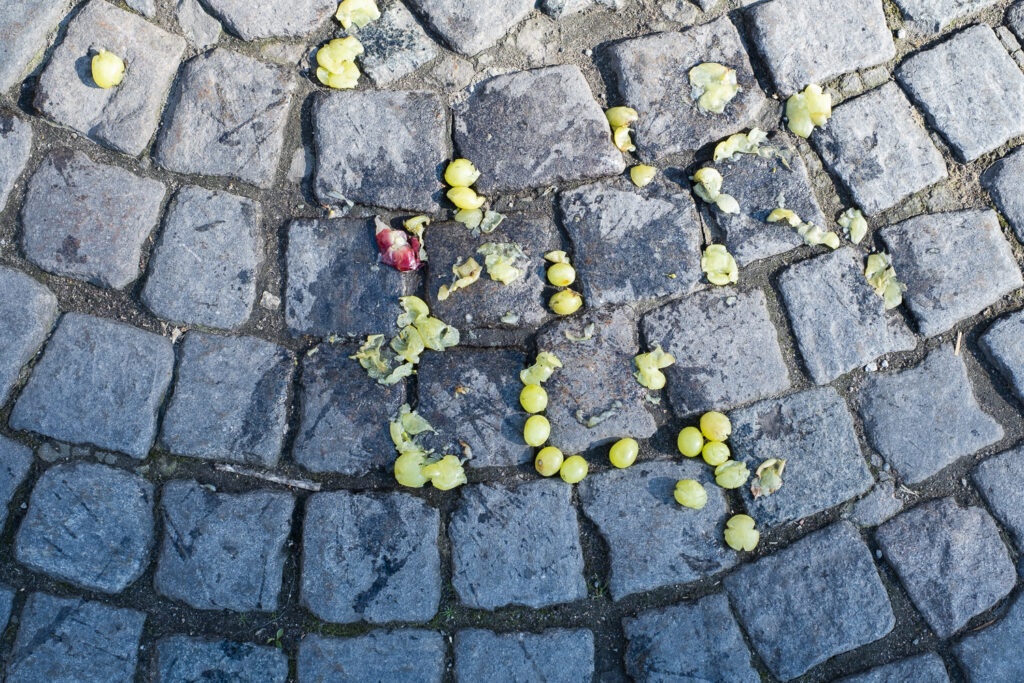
[(179, 658), (276, 18), (557, 9), (410, 656), (1003, 179), (933, 15), (922, 669), (1004, 347), (998, 480), (554, 656), (146, 8), (395, 45), (6, 603), (200, 29), (1015, 19), (879, 505), (470, 27), (15, 147), (993, 653), (24, 26), (15, 462), (27, 313)]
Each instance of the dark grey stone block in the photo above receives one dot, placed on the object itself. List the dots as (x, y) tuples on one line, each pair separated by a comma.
[(27, 312), (554, 656), (394, 45), (998, 478), (1003, 343), (15, 147), (15, 462), (271, 18), (993, 654), (24, 26), (409, 656), (921, 669), (471, 27), (6, 603), (879, 505), (180, 659)]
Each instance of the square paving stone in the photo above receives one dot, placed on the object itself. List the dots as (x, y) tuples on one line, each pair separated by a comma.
[(716, 370), (839, 322), (470, 27), (344, 415), (27, 312), (271, 18), (516, 546), (1003, 181), (993, 654), (370, 557), (223, 551), (15, 147), (88, 524), (203, 270), (813, 431), (925, 418), (230, 400), (336, 283), (971, 90), (826, 599), (123, 118), (226, 117), (998, 478), (954, 265), (653, 78), (180, 659), (922, 669), (410, 656), (99, 382), (394, 45), (535, 128), (596, 381), (813, 41), (553, 656), (69, 639), (934, 15), (951, 561), (472, 397), (380, 148), (1003, 344), (878, 149), (697, 641), (626, 241), (15, 462), (88, 221), (653, 541), (24, 26)]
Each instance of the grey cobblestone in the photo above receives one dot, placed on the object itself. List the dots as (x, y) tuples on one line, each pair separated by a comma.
[(180, 659), (200, 29), (879, 505), (146, 8), (933, 15), (273, 18), (993, 653), (27, 312), (6, 604), (15, 147), (554, 656), (395, 45), (922, 669), (998, 479), (471, 27), (15, 462), (1015, 19), (410, 656), (1004, 347), (24, 25), (1003, 179)]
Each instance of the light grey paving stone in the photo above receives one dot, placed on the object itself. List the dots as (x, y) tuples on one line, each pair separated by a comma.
[(99, 382), (690, 641), (27, 312), (394, 45), (878, 149), (993, 654), (69, 639), (558, 9), (221, 550), (124, 117), (516, 546), (470, 27), (596, 381), (998, 478), (6, 603), (626, 241), (1003, 344), (1003, 180), (879, 505), (925, 418), (88, 221), (180, 659), (653, 78), (652, 540), (934, 15), (833, 38), (970, 89), (954, 264), (146, 8), (554, 656), (712, 370), (409, 656), (15, 462), (88, 524), (951, 561), (226, 117), (826, 599), (24, 26), (15, 147), (271, 18), (1015, 19), (839, 321), (535, 128), (200, 29), (344, 415), (336, 283), (370, 557), (203, 271), (389, 152), (921, 669)]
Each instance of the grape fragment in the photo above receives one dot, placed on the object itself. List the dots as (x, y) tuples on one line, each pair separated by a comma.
[(465, 198), (446, 473), (768, 478), (742, 143), (719, 265), (466, 273), (881, 276), (642, 175), (713, 85), (501, 259), (358, 12), (740, 533), (690, 493), (709, 188), (731, 474), (808, 109), (715, 453), (856, 226), (621, 116), (336, 63), (541, 370), (649, 368)]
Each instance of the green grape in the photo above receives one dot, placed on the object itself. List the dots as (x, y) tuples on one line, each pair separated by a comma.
[(715, 426), (536, 431), (731, 474), (561, 275), (623, 453), (565, 302), (690, 442), (740, 533), (549, 461), (461, 173), (715, 453), (533, 398), (574, 469), (691, 494)]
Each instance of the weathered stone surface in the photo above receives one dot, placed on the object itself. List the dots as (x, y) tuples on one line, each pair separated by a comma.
[(596, 381), (1015, 19), (88, 221), (1003, 343), (826, 599), (370, 557), (653, 78), (15, 461), (200, 29), (6, 603), (934, 15), (271, 18), (27, 312), (839, 321), (1003, 181), (534, 128), (69, 639), (954, 265), (99, 382), (970, 89), (409, 656), (230, 400), (470, 27), (486, 415), (690, 641), (922, 669), (203, 271), (388, 153), (24, 25), (879, 151), (924, 418), (998, 478), (15, 147), (122, 118), (879, 505), (993, 654), (626, 241), (951, 561), (394, 45), (562, 8), (88, 524), (516, 546), (336, 283), (146, 8), (179, 658), (814, 41), (226, 117), (712, 370), (554, 656), (223, 551), (653, 541)]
